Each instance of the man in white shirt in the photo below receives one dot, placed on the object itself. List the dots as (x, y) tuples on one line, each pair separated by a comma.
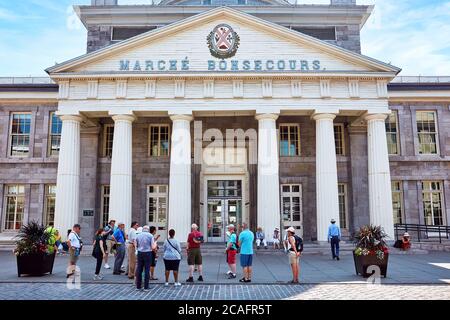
[(132, 235), (74, 243)]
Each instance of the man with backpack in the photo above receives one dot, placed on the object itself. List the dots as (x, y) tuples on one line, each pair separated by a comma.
[(232, 247), (295, 244)]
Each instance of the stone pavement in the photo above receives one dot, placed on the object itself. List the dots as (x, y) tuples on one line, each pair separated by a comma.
[(409, 277), (252, 292)]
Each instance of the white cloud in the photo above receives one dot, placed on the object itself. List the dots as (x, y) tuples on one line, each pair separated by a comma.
[(412, 37)]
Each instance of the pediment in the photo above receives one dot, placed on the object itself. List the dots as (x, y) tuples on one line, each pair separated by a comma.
[(182, 47)]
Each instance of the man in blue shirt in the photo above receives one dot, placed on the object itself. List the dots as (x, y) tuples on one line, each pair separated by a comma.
[(145, 244), (119, 235), (334, 236), (246, 238)]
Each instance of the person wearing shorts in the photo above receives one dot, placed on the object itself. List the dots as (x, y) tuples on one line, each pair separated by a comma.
[(172, 257), (246, 238), (294, 254), (231, 251), (194, 253)]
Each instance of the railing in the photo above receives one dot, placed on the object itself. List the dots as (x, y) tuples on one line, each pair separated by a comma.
[(422, 231), (25, 80), (421, 79)]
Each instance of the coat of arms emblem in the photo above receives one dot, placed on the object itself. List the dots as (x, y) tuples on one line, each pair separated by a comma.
[(223, 42)]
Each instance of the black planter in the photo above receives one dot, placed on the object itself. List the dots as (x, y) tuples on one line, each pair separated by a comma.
[(35, 264), (363, 262)]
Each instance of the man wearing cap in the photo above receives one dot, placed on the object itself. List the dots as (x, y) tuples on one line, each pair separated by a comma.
[(145, 244), (334, 236), (231, 251), (119, 235)]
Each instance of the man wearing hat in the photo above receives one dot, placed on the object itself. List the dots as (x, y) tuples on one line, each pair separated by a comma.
[(334, 236), (276, 238)]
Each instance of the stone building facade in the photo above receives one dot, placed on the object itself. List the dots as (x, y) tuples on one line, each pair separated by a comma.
[(313, 126)]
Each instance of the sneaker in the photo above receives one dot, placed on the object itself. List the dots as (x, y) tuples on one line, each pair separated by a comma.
[(232, 276), (98, 277), (200, 278), (95, 277), (190, 279), (107, 266), (177, 284), (243, 280), (248, 280), (337, 258), (146, 290), (229, 272), (166, 284)]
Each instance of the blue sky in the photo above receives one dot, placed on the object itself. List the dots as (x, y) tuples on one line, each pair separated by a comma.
[(411, 34)]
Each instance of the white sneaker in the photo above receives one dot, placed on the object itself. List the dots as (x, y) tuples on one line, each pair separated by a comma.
[(96, 277), (228, 272), (107, 266), (177, 284), (166, 284)]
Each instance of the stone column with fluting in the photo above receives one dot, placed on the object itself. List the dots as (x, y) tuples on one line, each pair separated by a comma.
[(326, 174), (180, 188), (68, 178), (268, 204), (380, 193), (120, 198)]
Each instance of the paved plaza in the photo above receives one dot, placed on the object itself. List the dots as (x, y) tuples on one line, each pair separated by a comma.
[(409, 277)]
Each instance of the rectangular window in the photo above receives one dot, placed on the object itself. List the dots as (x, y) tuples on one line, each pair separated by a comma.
[(105, 205), (157, 205), (54, 135), (427, 132), (50, 198), (20, 134), (392, 133), (397, 201), (159, 140), (14, 207), (123, 33), (289, 140), (432, 202), (342, 194), (339, 139), (224, 188), (108, 136)]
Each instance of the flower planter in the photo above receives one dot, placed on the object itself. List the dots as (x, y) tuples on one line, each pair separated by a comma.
[(363, 262), (35, 264)]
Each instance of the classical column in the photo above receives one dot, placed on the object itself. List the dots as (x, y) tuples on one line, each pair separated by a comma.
[(120, 198), (326, 174), (68, 178), (380, 196), (180, 191), (268, 204)]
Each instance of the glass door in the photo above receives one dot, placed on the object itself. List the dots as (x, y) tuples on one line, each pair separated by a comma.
[(215, 220), (234, 212), (291, 206)]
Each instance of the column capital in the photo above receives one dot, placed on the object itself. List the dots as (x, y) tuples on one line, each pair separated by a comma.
[(185, 117), (267, 116), (323, 116), (124, 117), (376, 116), (71, 117)]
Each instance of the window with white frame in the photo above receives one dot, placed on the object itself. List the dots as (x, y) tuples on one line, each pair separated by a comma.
[(20, 134), (397, 201), (105, 204), (14, 206), (427, 132), (339, 139), (157, 205), (50, 199), (432, 202), (342, 197), (392, 133), (289, 140), (159, 140), (108, 137), (54, 135)]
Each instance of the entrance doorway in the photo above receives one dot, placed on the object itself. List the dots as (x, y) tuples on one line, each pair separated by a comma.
[(291, 207), (224, 207)]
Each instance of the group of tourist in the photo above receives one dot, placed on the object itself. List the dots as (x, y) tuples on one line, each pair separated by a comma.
[(140, 244)]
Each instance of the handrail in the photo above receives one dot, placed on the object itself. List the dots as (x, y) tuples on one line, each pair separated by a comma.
[(422, 230)]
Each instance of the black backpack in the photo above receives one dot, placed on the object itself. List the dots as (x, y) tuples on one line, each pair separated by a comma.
[(298, 243)]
